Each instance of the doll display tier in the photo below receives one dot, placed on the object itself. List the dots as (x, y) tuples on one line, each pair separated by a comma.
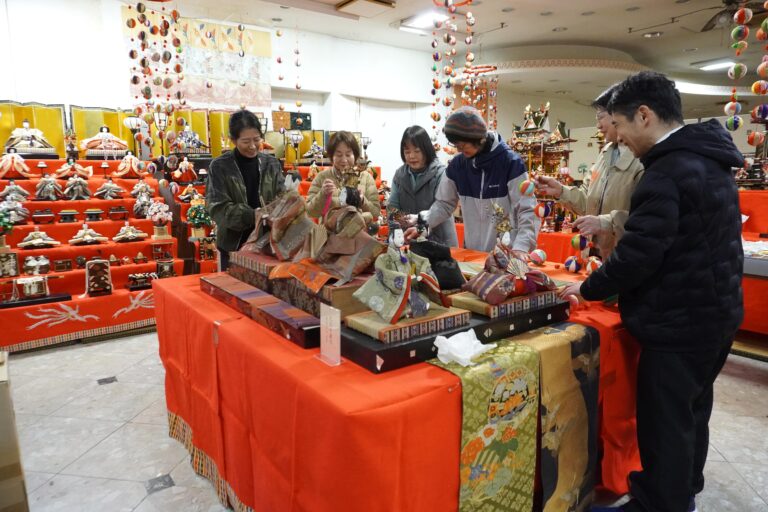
[(98, 170), (105, 154), (36, 153), (256, 269), (65, 231)]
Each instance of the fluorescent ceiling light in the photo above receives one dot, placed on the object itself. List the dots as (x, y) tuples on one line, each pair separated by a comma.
[(423, 21), (713, 65), (412, 30), (710, 90)]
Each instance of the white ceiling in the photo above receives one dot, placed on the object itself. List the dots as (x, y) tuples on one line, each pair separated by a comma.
[(522, 34)]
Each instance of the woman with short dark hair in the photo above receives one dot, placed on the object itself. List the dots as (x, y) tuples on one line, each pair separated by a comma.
[(415, 182), (344, 152), (239, 182)]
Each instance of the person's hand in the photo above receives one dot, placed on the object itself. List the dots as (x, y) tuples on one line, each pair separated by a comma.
[(521, 255), (411, 233), (418, 278), (411, 219), (588, 225), (571, 289), (329, 187), (548, 186)]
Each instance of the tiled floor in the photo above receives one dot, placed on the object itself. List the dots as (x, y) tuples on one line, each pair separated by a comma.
[(96, 447)]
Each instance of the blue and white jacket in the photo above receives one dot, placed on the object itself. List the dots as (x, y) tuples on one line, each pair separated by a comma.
[(479, 182)]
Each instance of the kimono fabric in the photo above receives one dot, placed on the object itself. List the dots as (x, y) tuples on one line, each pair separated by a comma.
[(394, 292), (280, 228), (500, 397)]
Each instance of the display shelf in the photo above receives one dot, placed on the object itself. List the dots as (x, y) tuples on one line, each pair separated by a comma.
[(64, 231)]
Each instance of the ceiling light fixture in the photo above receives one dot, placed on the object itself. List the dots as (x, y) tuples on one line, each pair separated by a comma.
[(689, 50), (546, 13), (277, 20), (508, 9), (633, 8), (559, 29), (682, 1), (411, 30), (713, 65), (588, 13), (422, 21), (652, 35)]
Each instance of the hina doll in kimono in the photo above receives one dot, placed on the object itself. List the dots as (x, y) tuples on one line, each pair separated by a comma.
[(399, 287), (503, 275), (15, 210), (142, 187), (104, 141), (13, 165), (185, 173), (282, 226), (25, 139), (109, 190), (14, 192), (349, 249), (445, 268), (77, 188), (72, 168), (48, 189)]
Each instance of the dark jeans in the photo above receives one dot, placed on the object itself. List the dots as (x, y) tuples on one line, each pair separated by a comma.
[(674, 403), (224, 260)]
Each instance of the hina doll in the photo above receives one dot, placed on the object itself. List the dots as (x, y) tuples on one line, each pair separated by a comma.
[(141, 206), (17, 214), (398, 288), (25, 138), (14, 192), (104, 141), (77, 188), (13, 164), (282, 226), (48, 189), (187, 139), (129, 233), (87, 236), (109, 190), (185, 173), (187, 194), (445, 268), (503, 275), (142, 187), (72, 168), (38, 240), (130, 165)]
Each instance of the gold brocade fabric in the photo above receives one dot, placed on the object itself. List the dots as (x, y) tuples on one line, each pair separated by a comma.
[(498, 435)]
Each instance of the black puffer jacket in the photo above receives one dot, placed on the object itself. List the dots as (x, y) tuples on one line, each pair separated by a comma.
[(678, 267)]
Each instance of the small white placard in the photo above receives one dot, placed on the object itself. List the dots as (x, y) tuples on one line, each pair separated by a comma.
[(330, 332)]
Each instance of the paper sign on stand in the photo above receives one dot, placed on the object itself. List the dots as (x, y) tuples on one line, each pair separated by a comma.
[(330, 332)]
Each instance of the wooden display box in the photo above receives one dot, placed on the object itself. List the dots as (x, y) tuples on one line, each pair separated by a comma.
[(234, 293), (515, 305), (437, 320), (252, 268)]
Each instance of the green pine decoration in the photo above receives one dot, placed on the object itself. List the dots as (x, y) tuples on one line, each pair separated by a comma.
[(6, 226), (198, 216)]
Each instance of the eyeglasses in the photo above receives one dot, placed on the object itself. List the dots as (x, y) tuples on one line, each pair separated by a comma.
[(460, 145)]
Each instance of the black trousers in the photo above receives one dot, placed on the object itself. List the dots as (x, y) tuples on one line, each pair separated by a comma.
[(674, 403), (224, 260)]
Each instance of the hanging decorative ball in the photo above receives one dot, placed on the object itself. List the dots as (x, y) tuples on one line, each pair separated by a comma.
[(470, 20), (737, 71), (436, 84), (755, 138), (732, 108), (437, 57), (133, 54), (135, 80), (449, 82), (279, 60), (169, 108), (140, 7), (131, 23), (282, 130), (538, 257), (281, 107), (740, 32), (165, 24), (593, 263), (760, 87), (157, 81), (142, 19), (740, 46), (572, 264), (434, 43), (296, 51), (148, 118), (167, 56), (447, 101), (241, 27), (297, 62), (154, 30), (168, 83), (142, 36), (733, 123), (760, 112), (580, 242), (179, 95), (453, 50), (742, 16), (299, 121), (470, 57), (298, 86), (241, 53), (762, 69), (209, 84), (146, 92), (280, 77), (527, 188), (178, 68), (542, 210), (299, 103), (180, 121), (138, 137), (448, 70), (468, 40), (437, 24), (176, 42), (175, 15), (279, 33), (209, 34), (452, 9), (436, 116), (761, 35), (170, 136)]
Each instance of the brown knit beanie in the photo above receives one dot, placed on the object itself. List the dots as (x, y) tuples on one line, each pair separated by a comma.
[(465, 125)]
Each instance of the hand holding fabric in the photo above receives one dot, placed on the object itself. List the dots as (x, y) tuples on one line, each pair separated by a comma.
[(588, 225)]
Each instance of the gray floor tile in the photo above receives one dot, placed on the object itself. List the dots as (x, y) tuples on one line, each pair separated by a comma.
[(45, 394), (756, 475), (726, 491), (740, 438), (149, 370), (714, 455), (188, 499), (134, 452), (144, 344), (119, 401), (97, 366), (77, 494), (35, 479), (52, 443), (155, 414), (185, 476), (25, 420)]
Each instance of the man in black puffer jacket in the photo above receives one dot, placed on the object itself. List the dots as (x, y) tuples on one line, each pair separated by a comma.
[(677, 271)]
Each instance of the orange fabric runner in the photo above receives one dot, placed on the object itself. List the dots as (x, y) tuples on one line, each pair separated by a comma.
[(754, 203)]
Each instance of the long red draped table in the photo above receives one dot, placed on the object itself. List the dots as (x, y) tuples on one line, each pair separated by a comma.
[(268, 423)]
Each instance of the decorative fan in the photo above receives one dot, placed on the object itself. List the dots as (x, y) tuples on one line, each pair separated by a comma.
[(724, 18)]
